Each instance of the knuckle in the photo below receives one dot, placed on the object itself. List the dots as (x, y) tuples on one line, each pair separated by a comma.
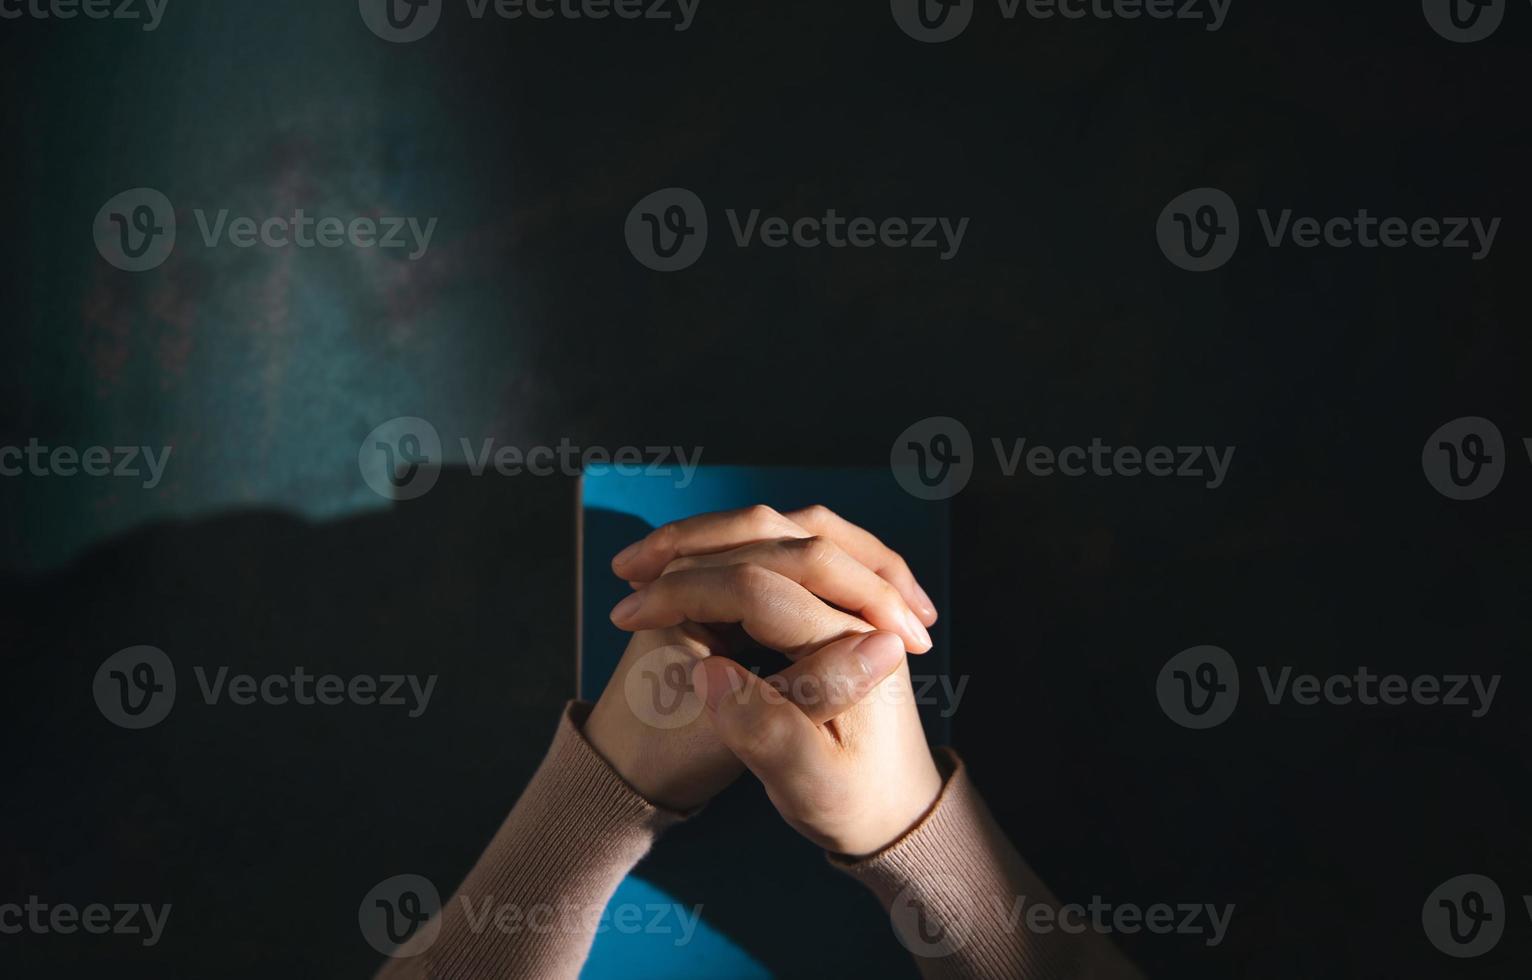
[(817, 514), (767, 735), (663, 591), (682, 564), (666, 534), (897, 567), (747, 580), (814, 550), (761, 516)]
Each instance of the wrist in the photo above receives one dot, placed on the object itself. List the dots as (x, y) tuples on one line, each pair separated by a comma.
[(893, 816), (602, 730), (648, 769)]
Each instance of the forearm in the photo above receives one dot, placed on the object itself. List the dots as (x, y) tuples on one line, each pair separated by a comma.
[(530, 906), (958, 895)]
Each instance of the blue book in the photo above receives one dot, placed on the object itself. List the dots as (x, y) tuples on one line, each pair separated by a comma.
[(735, 892)]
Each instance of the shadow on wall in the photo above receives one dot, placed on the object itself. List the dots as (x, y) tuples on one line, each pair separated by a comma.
[(264, 825)]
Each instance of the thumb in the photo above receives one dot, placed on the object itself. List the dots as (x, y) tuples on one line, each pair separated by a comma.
[(768, 733)]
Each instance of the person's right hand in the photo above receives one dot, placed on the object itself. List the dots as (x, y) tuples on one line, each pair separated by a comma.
[(853, 785)]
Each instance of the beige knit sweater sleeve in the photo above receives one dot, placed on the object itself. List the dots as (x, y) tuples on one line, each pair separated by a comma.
[(530, 906), (963, 901)]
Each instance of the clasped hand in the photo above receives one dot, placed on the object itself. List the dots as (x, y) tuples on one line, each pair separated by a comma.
[(835, 738)]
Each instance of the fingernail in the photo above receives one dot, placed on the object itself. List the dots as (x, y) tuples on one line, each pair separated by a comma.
[(924, 601), (626, 555), (917, 628), (716, 692), (628, 606), (878, 653)]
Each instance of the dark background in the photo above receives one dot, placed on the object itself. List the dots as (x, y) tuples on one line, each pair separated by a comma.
[(1059, 321)]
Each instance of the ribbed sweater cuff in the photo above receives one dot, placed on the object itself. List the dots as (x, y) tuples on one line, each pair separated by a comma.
[(953, 885), (577, 830)]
